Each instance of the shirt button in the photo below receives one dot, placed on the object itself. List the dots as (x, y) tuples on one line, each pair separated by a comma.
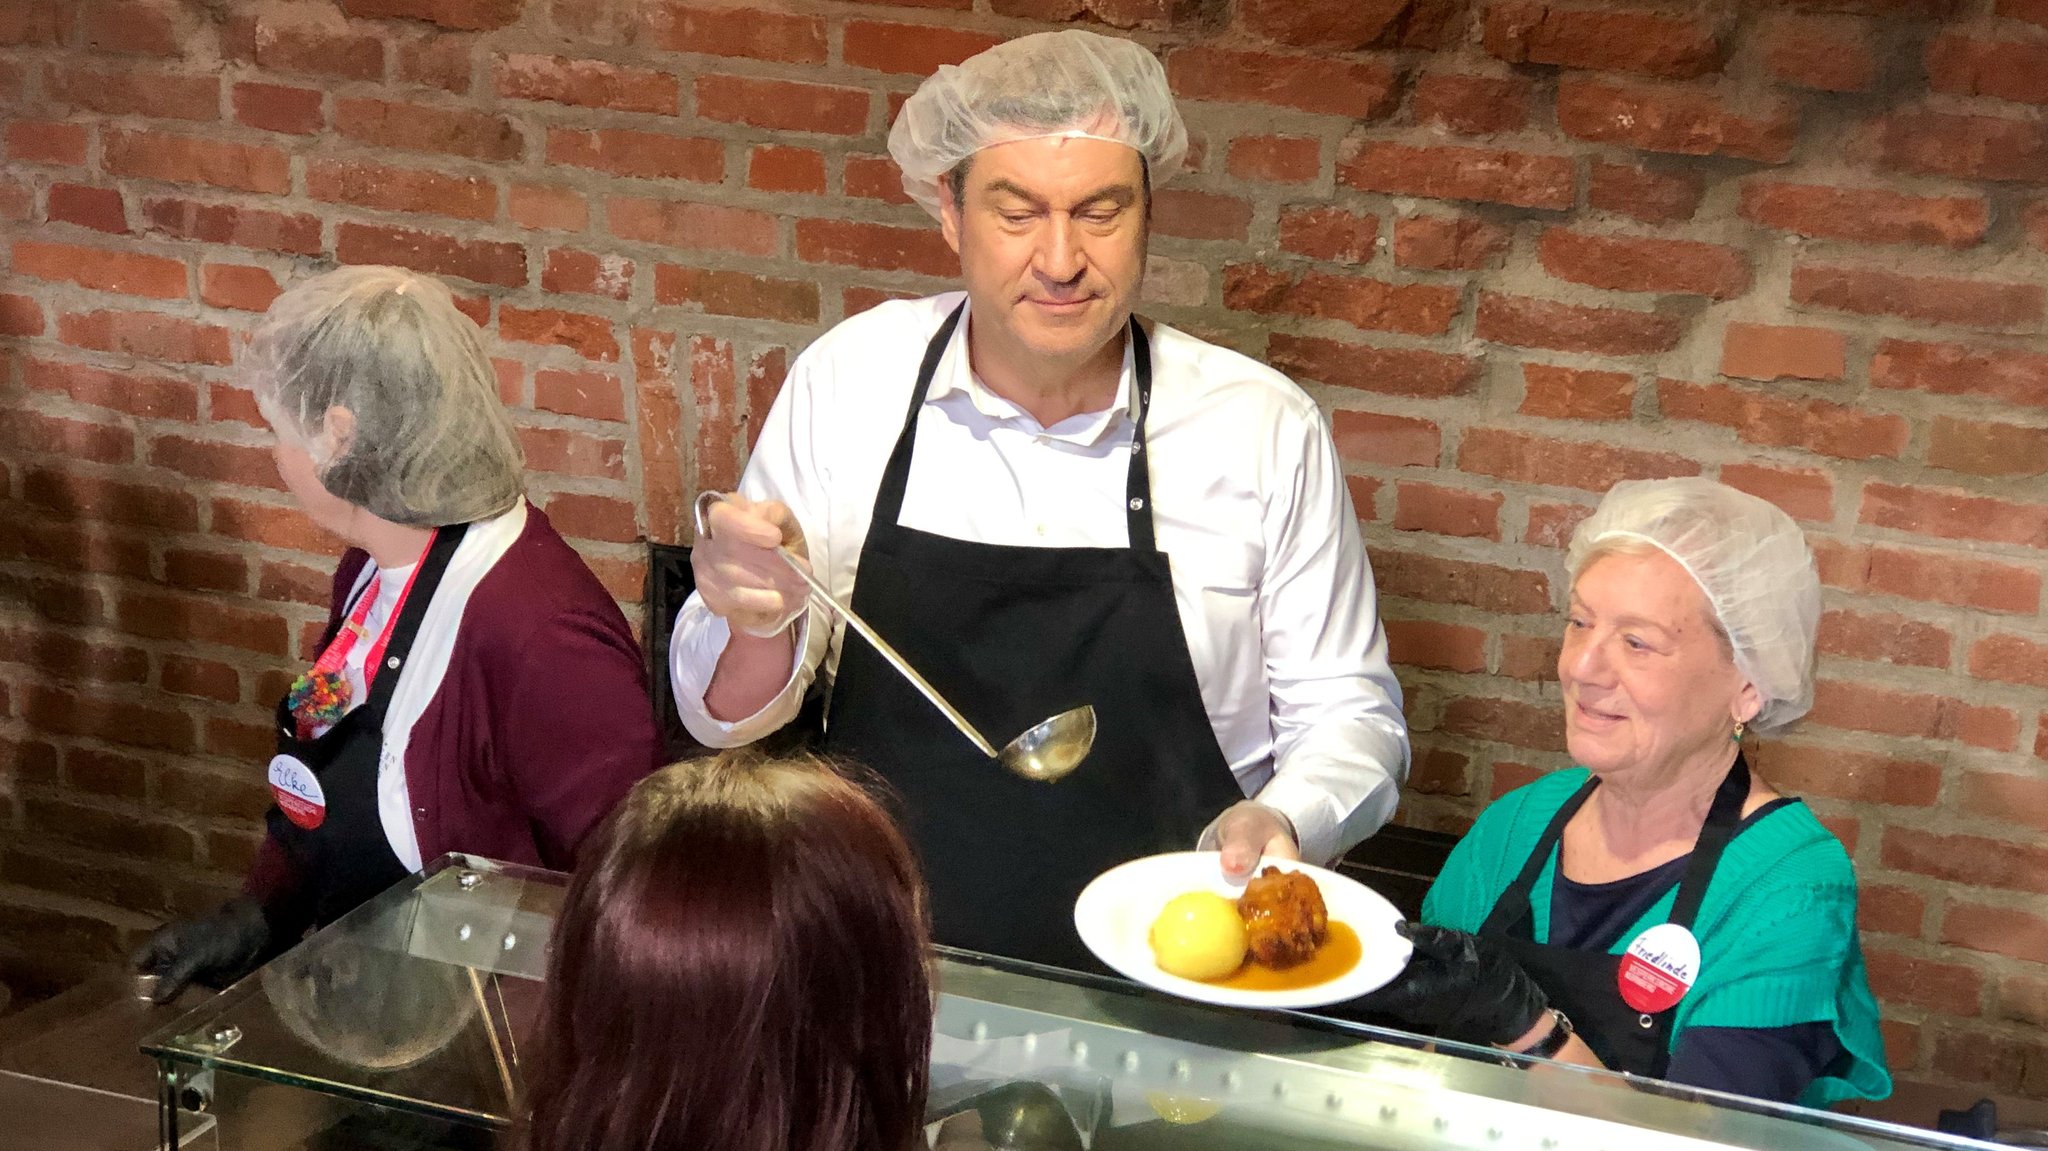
[(1041, 529)]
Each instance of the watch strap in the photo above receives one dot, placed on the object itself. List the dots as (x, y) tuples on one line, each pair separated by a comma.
[(1560, 1034)]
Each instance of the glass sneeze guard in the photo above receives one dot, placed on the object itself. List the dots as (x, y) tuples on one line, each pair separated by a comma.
[(413, 1003), (409, 1013)]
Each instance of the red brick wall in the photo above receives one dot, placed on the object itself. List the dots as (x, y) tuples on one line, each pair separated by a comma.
[(1520, 250)]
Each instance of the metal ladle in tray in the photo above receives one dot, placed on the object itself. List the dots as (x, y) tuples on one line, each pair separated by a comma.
[(1046, 751)]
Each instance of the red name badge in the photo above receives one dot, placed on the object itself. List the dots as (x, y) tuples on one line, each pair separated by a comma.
[(298, 792), (1659, 968)]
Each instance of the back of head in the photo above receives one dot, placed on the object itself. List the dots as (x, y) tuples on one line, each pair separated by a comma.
[(430, 443), (1071, 82), (1749, 558), (740, 964)]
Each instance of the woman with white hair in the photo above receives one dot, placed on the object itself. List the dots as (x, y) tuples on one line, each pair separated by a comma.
[(1658, 909), (476, 689)]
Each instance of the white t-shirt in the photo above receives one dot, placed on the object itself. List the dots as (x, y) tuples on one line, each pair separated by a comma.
[(390, 583)]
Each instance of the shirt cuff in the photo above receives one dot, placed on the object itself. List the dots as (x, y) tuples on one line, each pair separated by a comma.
[(1314, 813), (694, 648), (1210, 840)]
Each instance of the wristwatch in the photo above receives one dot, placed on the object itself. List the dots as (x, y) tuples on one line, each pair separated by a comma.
[(1560, 1034)]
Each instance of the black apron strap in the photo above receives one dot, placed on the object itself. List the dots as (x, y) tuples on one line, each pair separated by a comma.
[(896, 474), (407, 627), (1724, 818), (1511, 911), (1138, 486)]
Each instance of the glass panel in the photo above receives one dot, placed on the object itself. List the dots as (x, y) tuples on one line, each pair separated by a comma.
[(50, 1116), (415, 1001), (243, 1113), (407, 1016)]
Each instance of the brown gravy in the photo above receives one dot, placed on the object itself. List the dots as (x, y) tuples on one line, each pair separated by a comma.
[(1339, 953)]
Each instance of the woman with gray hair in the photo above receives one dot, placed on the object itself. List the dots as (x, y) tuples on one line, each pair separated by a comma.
[(476, 690), (1658, 909)]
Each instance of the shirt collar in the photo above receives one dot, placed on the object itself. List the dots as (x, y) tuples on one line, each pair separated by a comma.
[(956, 377)]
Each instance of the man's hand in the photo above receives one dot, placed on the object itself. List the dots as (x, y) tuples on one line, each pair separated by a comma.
[(1249, 832), (739, 575)]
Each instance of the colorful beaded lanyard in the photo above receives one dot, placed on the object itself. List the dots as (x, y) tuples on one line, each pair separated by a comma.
[(320, 697)]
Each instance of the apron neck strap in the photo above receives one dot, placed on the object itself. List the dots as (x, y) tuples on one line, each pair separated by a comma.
[(1511, 911), (896, 475), (425, 579), (1724, 818), (1137, 484)]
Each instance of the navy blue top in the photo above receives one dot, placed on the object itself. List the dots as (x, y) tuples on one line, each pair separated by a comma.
[(1773, 1063)]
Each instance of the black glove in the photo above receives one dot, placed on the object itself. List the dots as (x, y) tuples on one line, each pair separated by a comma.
[(216, 950), (1461, 987)]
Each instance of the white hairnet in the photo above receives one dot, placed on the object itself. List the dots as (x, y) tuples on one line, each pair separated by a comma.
[(432, 444), (1747, 556), (1067, 83)]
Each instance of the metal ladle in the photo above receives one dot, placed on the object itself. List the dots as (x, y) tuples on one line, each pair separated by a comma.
[(1046, 751)]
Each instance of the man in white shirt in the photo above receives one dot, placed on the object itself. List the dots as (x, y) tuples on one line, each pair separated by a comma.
[(1042, 503)]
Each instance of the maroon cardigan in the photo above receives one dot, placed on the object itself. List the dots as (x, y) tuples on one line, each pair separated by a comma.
[(541, 726)]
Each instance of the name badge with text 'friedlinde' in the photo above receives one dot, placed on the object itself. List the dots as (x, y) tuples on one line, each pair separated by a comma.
[(1659, 968)]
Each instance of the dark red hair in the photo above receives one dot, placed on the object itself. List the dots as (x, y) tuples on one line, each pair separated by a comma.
[(739, 964)]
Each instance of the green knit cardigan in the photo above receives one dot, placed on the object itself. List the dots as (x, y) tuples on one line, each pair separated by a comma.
[(1777, 928)]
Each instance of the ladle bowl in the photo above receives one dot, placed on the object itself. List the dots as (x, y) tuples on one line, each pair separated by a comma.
[(1050, 749)]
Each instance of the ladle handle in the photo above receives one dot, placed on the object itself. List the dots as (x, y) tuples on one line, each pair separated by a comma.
[(819, 593), (824, 599)]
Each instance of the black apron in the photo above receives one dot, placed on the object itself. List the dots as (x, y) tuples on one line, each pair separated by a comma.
[(347, 858), (1583, 984), (1012, 635)]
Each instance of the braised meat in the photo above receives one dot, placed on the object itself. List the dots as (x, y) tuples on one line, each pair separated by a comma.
[(1284, 917)]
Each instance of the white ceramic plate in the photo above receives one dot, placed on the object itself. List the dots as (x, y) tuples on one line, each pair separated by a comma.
[(1115, 913)]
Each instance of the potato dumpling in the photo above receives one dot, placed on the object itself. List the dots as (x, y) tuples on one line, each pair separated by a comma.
[(1198, 936)]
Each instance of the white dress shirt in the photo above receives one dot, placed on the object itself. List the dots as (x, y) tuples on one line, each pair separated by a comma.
[(1248, 502)]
